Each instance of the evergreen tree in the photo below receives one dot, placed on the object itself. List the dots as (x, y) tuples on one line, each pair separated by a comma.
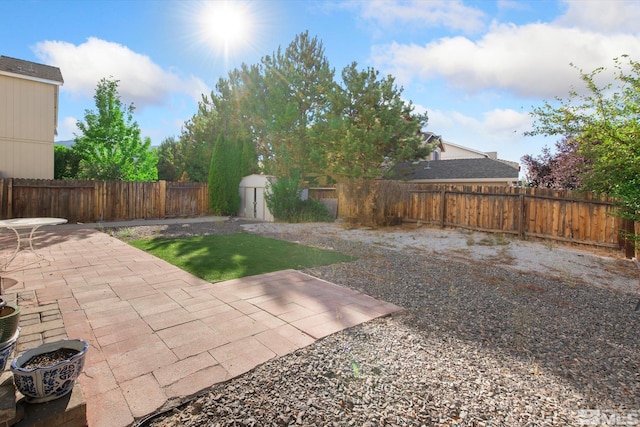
[(197, 140), (370, 126), (224, 177), (300, 124)]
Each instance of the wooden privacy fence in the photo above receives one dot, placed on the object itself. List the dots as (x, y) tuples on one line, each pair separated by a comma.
[(92, 201), (565, 216)]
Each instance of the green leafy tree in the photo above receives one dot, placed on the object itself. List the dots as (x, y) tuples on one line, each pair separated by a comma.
[(110, 146), (604, 124), (66, 162), (170, 160)]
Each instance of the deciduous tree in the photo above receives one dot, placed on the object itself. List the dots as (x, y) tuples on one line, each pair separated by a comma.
[(66, 162), (604, 124), (562, 170), (110, 145), (170, 160)]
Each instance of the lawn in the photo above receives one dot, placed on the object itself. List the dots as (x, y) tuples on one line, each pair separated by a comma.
[(224, 257)]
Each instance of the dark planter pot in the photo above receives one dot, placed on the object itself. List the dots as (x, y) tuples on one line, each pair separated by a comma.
[(9, 320)]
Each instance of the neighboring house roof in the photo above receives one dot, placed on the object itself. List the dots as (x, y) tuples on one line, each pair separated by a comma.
[(31, 70), (455, 169), (432, 138), (451, 151)]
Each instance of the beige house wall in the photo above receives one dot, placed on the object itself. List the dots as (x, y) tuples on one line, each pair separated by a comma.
[(453, 152), (27, 127)]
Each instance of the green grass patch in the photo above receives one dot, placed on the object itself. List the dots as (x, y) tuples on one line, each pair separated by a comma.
[(224, 257)]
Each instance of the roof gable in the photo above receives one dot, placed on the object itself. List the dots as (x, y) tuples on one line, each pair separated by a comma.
[(470, 152), (31, 70), (479, 168)]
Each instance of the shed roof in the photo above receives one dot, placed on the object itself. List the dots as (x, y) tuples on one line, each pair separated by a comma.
[(30, 69), (256, 180), (478, 168)]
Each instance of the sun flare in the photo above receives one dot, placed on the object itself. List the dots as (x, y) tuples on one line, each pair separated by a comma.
[(225, 24)]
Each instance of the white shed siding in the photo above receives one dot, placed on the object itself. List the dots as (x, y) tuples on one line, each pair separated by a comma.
[(253, 203)]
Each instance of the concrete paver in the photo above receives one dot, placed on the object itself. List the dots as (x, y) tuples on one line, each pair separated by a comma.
[(158, 334)]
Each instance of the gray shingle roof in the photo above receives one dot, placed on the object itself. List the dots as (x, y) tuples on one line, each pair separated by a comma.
[(31, 69), (481, 168)]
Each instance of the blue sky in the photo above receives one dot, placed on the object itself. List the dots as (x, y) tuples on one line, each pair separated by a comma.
[(476, 67)]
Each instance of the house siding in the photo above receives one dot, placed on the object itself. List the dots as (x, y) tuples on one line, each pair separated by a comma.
[(27, 128), (453, 152)]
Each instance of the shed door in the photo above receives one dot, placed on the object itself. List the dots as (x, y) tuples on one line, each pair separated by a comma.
[(254, 202)]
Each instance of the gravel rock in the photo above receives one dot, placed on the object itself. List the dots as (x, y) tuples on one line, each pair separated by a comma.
[(480, 343)]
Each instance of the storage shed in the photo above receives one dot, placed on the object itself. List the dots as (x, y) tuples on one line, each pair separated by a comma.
[(253, 203)]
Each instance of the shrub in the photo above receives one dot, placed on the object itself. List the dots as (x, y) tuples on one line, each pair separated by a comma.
[(284, 202)]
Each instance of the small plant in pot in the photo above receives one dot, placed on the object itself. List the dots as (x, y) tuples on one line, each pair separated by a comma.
[(50, 370)]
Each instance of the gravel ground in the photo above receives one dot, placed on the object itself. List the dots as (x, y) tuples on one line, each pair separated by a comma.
[(495, 332)]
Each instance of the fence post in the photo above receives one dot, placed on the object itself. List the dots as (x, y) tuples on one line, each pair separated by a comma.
[(162, 198), (521, 216), (10, 198), (443, 207)]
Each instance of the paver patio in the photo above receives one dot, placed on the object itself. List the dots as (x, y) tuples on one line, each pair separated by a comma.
[(158, 334)]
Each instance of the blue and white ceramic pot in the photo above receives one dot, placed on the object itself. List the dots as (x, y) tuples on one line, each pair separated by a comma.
[(44, 383), (6, 349)]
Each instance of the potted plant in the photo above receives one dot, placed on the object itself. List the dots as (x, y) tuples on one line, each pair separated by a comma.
[(50, 370)]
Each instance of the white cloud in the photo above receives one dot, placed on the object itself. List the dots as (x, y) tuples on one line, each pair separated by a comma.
[(141, 80), (67, 128), (505, 124), (529, 61), (451, 14), (604, 16)]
